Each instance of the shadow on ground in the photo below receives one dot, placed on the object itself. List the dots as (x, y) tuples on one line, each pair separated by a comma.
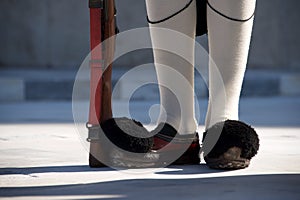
[(277, 186), (175, 170), (50, 169), (271, 186)]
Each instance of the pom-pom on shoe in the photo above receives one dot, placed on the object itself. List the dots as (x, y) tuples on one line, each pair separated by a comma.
[(127, 134), (237, 144), (125, 143), (166, 139)]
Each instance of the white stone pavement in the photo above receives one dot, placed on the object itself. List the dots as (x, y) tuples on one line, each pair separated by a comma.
[(42, 157)]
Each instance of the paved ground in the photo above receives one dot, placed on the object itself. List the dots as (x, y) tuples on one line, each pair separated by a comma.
[(43, 157)]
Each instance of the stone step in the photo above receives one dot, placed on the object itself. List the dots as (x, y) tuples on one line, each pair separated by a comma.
[(40, 85)]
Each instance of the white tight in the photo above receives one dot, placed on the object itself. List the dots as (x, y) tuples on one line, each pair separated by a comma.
[(229, 42)]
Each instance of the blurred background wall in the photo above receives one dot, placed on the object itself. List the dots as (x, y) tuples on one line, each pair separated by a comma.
[(43, 43), (44, 34)]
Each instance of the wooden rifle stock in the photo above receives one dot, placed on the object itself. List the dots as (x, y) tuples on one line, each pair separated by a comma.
[(102, 27)]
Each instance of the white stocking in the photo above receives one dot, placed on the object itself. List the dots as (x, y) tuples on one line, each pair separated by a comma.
[(184, 22), (229, 41)]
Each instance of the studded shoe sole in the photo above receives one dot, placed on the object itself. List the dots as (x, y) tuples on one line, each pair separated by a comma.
[(230, 160)]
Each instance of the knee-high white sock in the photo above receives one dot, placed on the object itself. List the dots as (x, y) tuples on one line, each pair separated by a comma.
[(181, 117), (229, 42)]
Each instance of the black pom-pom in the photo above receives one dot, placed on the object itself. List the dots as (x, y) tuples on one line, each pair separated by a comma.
[(234, 134), (127, 134)]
